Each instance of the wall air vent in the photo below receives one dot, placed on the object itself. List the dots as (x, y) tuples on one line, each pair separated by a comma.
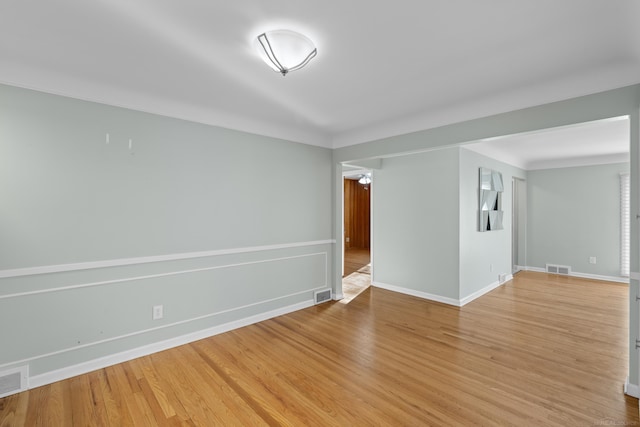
[(559, 269), (13, 381), (321, 296)]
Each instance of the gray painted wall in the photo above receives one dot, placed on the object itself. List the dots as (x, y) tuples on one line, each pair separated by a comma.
[(483, 255), (574, 214), (415, 222), (69, 197), (426, 236), (184, 187)]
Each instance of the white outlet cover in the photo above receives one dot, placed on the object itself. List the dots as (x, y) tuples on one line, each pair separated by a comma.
[(158, 312)]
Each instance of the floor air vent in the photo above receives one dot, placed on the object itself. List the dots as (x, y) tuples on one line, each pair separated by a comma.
[(322, 296), (559, 269), (13, 381)]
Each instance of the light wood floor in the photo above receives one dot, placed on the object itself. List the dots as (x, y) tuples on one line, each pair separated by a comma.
[(541, 350), (357, 273)]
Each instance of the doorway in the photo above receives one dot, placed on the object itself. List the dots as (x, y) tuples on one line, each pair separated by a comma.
[(519, 225), (356, 271)]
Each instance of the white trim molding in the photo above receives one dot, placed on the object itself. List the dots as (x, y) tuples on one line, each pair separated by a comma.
[(477, 294), (632, 390), (439, 298), (168, 325), (419, 294), (47, 269), (170, 273), (103, 362), (617, 279)]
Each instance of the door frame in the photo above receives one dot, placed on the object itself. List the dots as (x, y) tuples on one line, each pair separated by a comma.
[(342, 245), (516, 218)]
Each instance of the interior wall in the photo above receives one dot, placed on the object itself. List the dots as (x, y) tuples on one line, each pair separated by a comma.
[(416, 223), (357, 214), (612, 103), (574, 214), (483, 255), (215, 225)]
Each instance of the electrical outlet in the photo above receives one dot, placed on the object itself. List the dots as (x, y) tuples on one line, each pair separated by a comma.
[(592, 260), (347, 239), (158, 312)]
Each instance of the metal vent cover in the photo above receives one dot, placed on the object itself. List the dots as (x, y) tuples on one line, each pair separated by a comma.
[(13, 381), (321, 296), (559, 269)]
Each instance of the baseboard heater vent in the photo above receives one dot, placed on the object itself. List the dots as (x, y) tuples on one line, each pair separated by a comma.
[(13, 381), (559, 269), (321, 296)]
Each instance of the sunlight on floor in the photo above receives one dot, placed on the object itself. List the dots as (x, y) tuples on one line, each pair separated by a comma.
[(355, 283), (357, 273)]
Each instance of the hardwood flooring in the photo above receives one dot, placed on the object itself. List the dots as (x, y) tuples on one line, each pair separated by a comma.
[(357, 273), (541, 350)]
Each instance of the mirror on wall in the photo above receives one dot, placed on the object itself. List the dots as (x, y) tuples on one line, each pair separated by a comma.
[(490, 200)]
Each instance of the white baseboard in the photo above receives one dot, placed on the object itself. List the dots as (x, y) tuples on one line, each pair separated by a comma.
[(600, 277), (103, 362), (632, 390), (440, 298), (419, 294), (338, 297), (618, 279), (486, 289)]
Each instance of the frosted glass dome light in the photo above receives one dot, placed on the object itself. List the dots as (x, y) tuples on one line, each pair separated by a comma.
[(285, 51), (365, 179)]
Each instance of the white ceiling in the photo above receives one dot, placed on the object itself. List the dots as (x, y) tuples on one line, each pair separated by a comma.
[(383, 68), (598, 142)]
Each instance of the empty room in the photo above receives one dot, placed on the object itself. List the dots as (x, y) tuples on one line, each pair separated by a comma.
[(319, 213)]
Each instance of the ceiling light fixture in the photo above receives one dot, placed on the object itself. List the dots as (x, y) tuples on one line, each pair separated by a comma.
[(365, 179), (285, 51)]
